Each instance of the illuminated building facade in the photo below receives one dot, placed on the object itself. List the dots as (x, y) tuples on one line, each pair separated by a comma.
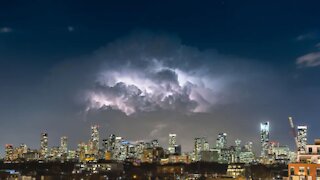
[(155, 143), (9, 152), (308, 163), (64, 147), (264, 138), (109, 144), (172, 143), (221, 141), (200, 144), (302, 138), (44, 146), (94, 141)]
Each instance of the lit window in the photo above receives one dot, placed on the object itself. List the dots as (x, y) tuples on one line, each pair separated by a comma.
[(318, 172), (292, 171), (301, 170)]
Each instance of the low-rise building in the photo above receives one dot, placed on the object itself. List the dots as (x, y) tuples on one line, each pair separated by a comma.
[(307, 165)]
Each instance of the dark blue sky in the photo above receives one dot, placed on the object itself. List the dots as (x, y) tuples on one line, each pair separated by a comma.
[(41, 42)]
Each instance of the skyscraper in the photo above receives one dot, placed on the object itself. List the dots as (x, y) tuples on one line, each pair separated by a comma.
[(221, 141), (302, 138), (120, 149), (248, 146), (238, 145), (155, 143), (172, 143), (94, 141), (44, 146), (264, 138), (9, 152), (64, 146), (200, 144)]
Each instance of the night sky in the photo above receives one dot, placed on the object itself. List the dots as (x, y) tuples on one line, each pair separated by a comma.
[(144, 69)]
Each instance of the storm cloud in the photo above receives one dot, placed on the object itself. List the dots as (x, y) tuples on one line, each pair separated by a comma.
[(147, 85)]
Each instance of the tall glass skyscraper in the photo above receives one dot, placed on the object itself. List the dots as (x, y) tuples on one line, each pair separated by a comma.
[(221, 141), (44, 146), (200, 144), (94, 141), (64, 146), (172, 143), (264, 138)]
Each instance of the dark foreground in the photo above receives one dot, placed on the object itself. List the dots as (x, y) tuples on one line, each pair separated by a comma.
[(127, 170)]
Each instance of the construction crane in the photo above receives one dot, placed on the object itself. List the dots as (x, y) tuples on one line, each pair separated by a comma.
[(294, 132)]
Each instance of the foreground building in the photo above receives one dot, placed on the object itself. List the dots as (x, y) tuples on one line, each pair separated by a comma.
[(307, 165)]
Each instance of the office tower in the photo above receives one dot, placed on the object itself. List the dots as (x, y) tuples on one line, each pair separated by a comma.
[(24, 148), (54, 153), (200, 144), (82, 151), (9, 152), (132, 153), (264, 135), (197, 149), (248, 146), (117, 148), (237, 150), (140, 146), (155, 143), (44, 146), (64, 146), (221, 141), (172, 143), (94, 141), (238, 145), (71, 154), (206, 146), (177, 149), (123, 151), (110, 143), (105, 145), (302, 138)]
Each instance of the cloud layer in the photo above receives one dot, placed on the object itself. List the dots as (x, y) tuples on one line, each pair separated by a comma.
[(155, 73), (309, 60), (147, 85)]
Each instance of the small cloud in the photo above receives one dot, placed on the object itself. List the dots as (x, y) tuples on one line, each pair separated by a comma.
[(318, 45), (308, 36), (70, 28), (5, 30), (309, 60)]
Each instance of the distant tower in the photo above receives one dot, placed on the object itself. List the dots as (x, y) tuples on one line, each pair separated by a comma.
[(94, 141), (206, 145), (155, 143), (64, 146), (264, 135), (44, 146), (200, 144), (221, 141), (9, 152), (110, 143), (248, 146), (172, 143), (118, 147), (238, 145), (302, 138), (238, 150)]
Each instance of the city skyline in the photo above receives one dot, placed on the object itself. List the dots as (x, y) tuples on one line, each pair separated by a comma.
[(98, 141), (146, 69)]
